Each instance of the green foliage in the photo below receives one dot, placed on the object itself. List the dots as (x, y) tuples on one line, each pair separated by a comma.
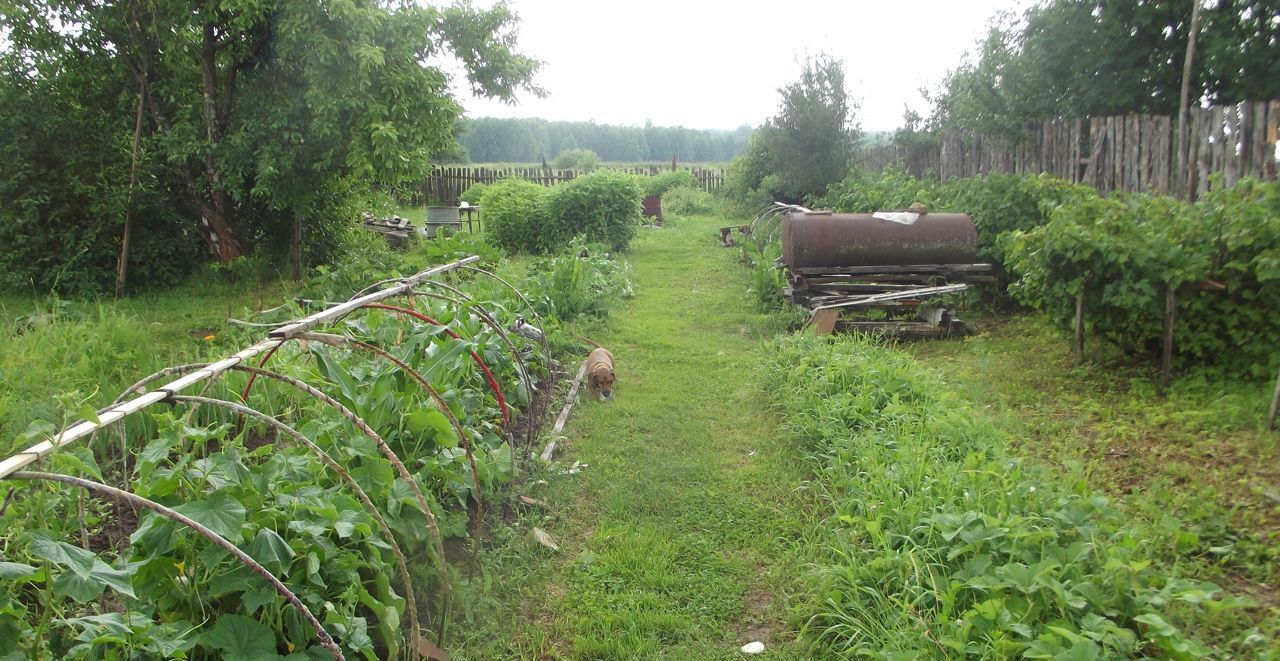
[(767, 281), (264, 492), (863, 192), (1086, 59), (474, 194), (934, 527), (584, 160), (515, 215), (689, 201), (64, 176), (669, 180), (1127, 250), (806, 146), (581, 279), (256, 116), (604, 207)]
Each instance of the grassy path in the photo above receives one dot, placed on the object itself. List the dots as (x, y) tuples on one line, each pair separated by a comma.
[(677, 535)]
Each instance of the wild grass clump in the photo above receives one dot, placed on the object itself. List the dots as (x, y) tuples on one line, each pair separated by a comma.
[(665, 182), (689, 201), (941, 544)]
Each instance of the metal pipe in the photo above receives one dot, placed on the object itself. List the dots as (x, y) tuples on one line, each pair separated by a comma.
[(407, 284), (833, 240)]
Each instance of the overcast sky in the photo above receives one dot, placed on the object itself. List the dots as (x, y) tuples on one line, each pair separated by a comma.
[(717, 64)]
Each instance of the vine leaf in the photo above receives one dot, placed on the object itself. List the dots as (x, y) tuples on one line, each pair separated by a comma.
[(16, 570), (241, 638), (86, 576), (220, 513), (271, 551)]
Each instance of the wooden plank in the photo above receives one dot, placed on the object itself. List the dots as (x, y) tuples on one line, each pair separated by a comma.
[(1132, 137), (923, 292), (1199, 177), (1118, 154), (1273, 134), (931, 269), (1230, 144), (1094, 166), (823, 321), (564, 413), (1258, 141)]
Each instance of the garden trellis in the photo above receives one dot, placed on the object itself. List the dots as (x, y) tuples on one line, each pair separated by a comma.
[(434, 357)]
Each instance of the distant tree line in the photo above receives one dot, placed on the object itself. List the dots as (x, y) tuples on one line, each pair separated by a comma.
[(1092, 58), (494, 140)]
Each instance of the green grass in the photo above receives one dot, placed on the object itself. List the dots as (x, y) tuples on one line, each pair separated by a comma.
[(88, 351), (681, 534)]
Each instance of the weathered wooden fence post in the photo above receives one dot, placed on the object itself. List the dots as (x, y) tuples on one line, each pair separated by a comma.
[(1166, 348), (1275, 406), (1077, 345)]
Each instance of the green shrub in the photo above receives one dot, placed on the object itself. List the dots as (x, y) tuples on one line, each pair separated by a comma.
[(863, 192), (474, 194), (933, 527), (604, 207), (576, 159), (689, 202), (664, 182), (1128, 249), (515, 215)]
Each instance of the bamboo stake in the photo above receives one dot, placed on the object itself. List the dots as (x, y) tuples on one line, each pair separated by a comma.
[(122, 266)]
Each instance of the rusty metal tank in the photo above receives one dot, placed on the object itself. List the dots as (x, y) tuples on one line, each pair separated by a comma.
[(822, 239)]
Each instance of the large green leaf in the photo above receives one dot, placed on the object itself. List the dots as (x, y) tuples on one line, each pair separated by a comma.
[(240, 638), (220, 513), (85, 575), (16, 570), (432, 419), (269, 549)]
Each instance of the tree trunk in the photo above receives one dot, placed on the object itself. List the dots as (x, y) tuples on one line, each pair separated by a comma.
[(215, 227), (215, 211), (1183, 169)]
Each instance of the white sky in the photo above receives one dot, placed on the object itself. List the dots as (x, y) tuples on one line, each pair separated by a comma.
[(717, 64)]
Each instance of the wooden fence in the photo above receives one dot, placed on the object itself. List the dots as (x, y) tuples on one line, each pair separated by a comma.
[(1130, 153), (446, 184)]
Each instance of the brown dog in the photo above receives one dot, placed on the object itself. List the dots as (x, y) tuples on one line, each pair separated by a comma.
[(600, 374)]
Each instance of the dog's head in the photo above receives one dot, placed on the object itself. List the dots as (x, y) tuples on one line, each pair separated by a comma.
[(602, 379)]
